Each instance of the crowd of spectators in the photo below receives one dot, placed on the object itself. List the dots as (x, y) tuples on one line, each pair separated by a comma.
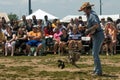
[(17, 36)]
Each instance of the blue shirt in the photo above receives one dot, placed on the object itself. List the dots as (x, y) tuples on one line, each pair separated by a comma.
[(76, 36), (93, 19)]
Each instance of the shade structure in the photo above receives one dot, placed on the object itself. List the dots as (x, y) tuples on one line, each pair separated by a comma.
[(40, 15), (68, 18), (5, 16)]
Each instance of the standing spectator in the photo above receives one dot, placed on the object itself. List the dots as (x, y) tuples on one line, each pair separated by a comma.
[(46, 21), (11, 22), (3, 20), (81, 23), (70, 26), (103, 22), (23, 22), (97, 37), (34, 20)]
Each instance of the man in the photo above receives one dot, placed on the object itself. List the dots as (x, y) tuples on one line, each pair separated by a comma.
[(103, 22), (23, 22), (96, 32), (34, 20), (46, 21), (34, 40), (81, 23)]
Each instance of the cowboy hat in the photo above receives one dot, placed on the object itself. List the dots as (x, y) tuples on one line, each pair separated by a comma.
[(84, 5)]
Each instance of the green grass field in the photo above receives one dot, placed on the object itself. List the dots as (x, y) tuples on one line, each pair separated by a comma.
[(45, 68)]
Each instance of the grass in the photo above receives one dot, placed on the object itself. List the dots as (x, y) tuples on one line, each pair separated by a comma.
[(45, 68)]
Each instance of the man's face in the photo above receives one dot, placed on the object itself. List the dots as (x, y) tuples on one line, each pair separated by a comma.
[(35, 29), (24, 17), (86, 11)]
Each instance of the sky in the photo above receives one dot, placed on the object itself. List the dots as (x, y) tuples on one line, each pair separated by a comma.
[(58, 8)]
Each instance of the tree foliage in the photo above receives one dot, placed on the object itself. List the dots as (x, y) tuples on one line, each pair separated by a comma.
[(12, 16)]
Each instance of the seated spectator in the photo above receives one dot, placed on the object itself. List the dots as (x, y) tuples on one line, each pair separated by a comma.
[(10, 41), (118, 30), (21, 40), (63, 40), (48, 30), (56, 38), (2, 37), (34, 40), (75, 39), (60, 25), (54, 23), (81, 30), (110, 33)]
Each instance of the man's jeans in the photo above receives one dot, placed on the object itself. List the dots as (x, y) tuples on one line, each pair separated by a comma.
[(98, 39)]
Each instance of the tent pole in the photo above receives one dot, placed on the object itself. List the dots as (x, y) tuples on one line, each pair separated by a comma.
[(30, 10)]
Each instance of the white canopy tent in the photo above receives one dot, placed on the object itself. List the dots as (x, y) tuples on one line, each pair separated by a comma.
[(40, 15), (114, 17), (68, 18), (5, 16)]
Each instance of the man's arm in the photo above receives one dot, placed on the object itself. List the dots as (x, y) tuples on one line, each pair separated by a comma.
[(29, 35), (92, 29), (38, 37)]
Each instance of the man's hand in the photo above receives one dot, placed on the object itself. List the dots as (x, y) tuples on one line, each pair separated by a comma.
[(89, 31)]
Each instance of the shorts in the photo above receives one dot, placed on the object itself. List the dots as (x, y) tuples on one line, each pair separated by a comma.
[(34, 43)]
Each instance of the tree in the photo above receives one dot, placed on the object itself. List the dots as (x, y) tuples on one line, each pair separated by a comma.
[(12, 16)]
